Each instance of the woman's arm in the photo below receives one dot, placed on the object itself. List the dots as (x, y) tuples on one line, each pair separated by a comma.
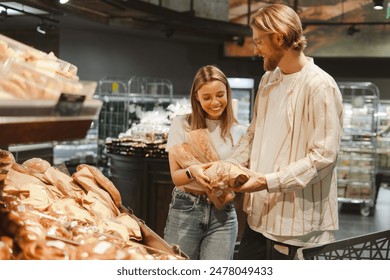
[(183, 176)]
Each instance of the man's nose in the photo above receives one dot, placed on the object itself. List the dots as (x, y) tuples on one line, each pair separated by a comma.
[(257, 51)]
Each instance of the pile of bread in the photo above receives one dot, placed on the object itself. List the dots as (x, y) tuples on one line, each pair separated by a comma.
[(48, 214), (27, 73)]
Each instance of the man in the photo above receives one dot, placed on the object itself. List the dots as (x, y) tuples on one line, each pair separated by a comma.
[(291, 146)]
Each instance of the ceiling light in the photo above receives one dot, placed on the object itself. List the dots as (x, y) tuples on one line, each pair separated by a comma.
[(43, 27), (64, 1), (378, 4), (16, 9)]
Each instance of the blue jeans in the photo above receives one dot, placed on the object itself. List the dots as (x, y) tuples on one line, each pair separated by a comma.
[(200, 230)]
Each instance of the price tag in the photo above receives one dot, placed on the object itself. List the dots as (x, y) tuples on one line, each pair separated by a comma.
[(69, 105)]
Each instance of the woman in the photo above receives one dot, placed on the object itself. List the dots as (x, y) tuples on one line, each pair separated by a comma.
[(201, 228)]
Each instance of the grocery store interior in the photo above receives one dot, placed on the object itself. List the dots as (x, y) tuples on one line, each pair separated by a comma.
[(133, 62)]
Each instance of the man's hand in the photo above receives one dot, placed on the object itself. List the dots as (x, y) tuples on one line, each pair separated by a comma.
[(255, 183)]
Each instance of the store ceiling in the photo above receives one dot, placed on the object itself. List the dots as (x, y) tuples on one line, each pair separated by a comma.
[(138, 15), (145, 16)]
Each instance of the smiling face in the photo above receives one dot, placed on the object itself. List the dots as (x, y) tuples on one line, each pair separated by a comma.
[(266, 47), (212, 97)]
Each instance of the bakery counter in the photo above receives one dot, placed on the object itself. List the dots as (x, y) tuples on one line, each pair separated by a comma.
[(145, 185), (69, 217)]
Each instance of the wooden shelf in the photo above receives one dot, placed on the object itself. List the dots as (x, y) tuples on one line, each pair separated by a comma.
[(35, 125)]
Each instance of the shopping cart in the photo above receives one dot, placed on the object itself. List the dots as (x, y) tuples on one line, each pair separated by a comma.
[(373, 246)]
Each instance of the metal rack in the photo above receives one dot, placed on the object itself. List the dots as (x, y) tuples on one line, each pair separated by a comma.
[(357, 163), (113, 115), (123, 101), (149, 87)]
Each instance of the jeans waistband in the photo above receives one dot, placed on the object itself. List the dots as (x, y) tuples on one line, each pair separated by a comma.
[(191, 191), (190, 196), (199, 199)]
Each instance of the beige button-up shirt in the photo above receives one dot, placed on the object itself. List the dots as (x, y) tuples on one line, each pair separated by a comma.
[(302, 189)]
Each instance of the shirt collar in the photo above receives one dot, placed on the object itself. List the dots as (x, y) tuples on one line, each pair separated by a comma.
[(277, 75)]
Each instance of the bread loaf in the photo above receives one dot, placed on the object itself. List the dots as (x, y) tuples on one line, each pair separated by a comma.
[(104, 183), (6, 158), (85, 178), (6, 245), (37, 165), (3, 174), (225, 173)]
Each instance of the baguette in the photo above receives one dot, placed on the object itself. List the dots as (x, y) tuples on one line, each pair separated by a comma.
[(19, 81), (13, 88)]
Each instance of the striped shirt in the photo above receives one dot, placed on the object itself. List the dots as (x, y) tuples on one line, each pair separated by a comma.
[(302, 188)]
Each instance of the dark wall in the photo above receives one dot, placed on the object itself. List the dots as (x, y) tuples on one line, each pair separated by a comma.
[(358, 67), (102, 54), (123, 55)]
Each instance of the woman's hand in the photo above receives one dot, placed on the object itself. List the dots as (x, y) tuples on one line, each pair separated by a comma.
[(197, 172)]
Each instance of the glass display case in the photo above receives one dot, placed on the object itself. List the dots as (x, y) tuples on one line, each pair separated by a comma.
[(243, 92), (357, 162), (383, 139)]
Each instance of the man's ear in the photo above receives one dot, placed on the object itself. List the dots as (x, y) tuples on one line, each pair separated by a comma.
[(279, 39)]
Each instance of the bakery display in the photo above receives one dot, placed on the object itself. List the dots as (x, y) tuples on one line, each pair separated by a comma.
[(48, 214), (41, 97), (29, 74)]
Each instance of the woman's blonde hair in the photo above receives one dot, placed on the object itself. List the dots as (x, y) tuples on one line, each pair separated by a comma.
[(281, 19), (197, 118)]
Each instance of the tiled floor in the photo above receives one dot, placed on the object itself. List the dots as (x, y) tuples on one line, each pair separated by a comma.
[(352, 223)]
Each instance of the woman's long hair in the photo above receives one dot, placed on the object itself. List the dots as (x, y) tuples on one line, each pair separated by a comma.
[(197, 118)]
